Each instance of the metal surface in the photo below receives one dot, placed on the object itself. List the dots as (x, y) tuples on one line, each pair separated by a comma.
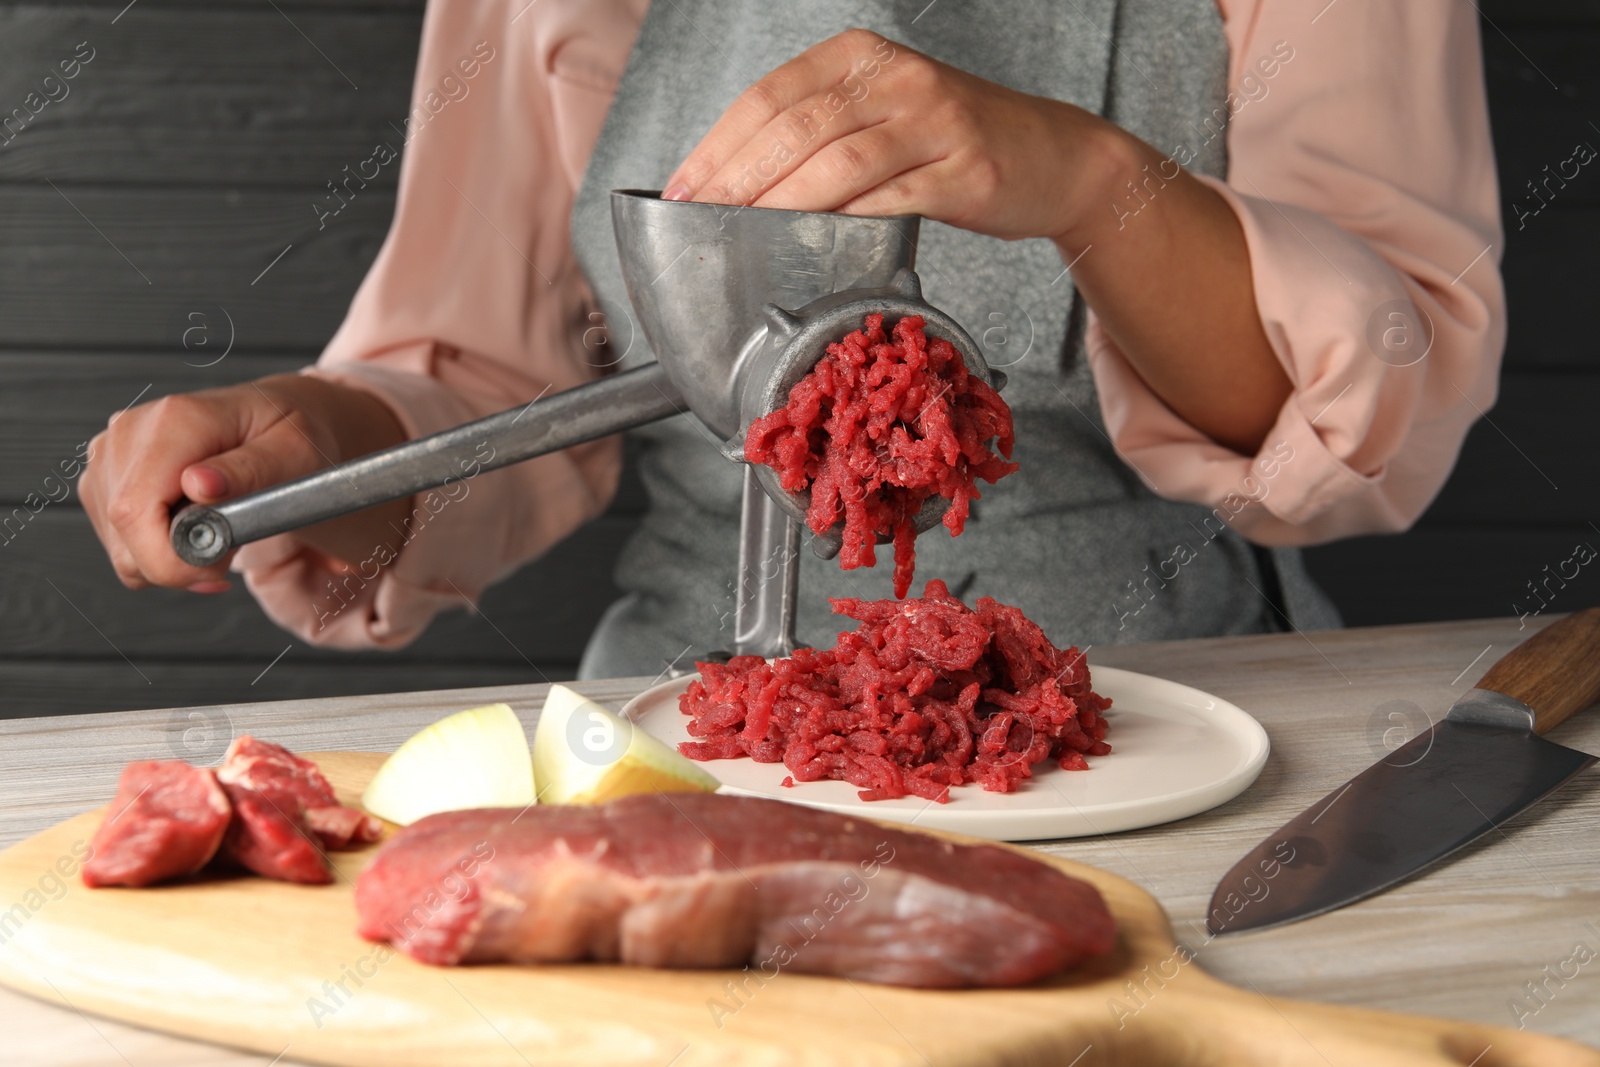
[(203, 536), (1432, 796), (1485, 707), (699, 277), (769, 575)]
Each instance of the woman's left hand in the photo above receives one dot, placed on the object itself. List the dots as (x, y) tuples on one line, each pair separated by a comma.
[(862, 125)]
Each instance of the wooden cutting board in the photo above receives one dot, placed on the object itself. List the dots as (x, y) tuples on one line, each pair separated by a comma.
[(278, 969)]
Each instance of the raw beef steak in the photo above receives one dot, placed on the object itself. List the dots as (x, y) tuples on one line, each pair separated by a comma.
[(699, 880)]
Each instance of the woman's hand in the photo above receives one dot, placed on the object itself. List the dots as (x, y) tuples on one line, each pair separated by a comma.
[(865, 126), (862, 125), (218, 444)]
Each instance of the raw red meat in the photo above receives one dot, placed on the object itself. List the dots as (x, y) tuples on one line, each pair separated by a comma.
[(166, 821), (339, 827), (256, 764), (269, 835), (878, 427), (698, 880), (925, 694), (265, 809)]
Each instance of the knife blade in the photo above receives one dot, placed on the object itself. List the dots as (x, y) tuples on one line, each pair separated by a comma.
[(1482, 764)]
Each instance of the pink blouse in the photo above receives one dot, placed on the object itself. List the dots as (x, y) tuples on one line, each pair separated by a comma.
[(1360, 168)]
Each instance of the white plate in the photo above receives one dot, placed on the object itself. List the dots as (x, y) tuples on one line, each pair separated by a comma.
[(1175, 752)]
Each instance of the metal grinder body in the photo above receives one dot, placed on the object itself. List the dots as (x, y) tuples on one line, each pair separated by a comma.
[(737, 304)]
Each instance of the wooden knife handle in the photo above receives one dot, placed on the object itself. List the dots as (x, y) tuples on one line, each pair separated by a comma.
[(1555, 672)]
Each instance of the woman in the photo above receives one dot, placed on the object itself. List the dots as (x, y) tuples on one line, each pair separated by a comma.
[(1243, 256)]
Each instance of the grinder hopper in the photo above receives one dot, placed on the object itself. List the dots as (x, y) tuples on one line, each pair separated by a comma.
[(737, 304)]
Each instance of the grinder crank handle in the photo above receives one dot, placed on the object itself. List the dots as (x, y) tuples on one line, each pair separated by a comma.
[(205, 535)]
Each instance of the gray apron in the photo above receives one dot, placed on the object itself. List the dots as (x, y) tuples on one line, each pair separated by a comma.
[(1073, 538)]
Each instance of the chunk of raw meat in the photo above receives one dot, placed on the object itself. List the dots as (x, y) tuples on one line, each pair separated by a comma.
[(167, 820), (718, 881), (269, 835), (340, 827), (256, 764)]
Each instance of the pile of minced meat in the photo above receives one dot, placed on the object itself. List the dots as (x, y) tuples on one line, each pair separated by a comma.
[(925, 694)]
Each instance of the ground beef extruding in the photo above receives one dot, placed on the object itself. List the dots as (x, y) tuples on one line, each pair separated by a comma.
[(876, 428), (925, 694)]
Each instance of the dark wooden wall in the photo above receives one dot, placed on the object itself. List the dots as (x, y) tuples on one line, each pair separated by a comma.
[(185, 158)]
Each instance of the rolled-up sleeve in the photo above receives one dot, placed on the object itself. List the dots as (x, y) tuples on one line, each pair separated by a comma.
[(474, 304), (1362, 173)]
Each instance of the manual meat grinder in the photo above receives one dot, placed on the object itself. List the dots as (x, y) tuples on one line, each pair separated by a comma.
[(737, 304)]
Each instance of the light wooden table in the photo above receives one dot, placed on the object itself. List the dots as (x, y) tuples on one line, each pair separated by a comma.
[(1468, 940)]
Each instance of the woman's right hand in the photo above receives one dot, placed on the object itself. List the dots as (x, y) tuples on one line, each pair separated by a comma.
[(218, 444)]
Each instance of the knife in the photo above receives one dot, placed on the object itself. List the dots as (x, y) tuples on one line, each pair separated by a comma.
[(1482, 764)]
